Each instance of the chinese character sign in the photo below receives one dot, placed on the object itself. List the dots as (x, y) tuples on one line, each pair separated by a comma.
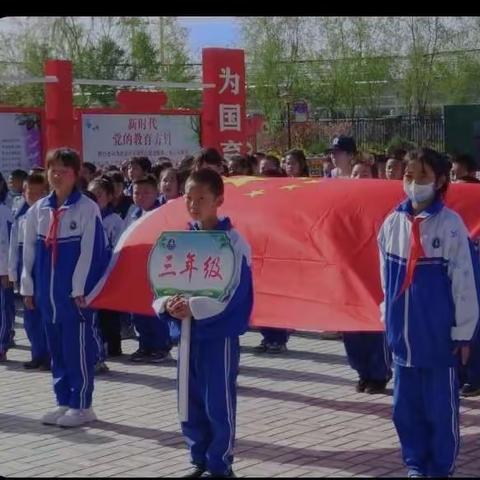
[(112, 138), (192, 263), (20, 141), (224, 118)]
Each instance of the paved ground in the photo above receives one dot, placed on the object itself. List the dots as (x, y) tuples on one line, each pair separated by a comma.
[(298, 415)]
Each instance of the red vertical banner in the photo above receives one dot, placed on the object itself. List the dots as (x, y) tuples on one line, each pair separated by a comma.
[(224, 120), (59, 105)]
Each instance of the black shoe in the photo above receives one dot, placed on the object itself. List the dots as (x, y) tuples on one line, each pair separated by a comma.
[(159, 356), (196, 472), (361, 385), (115, 353), (140, 356), (262, 348), (45, 366), (276, 348), (470, 391), (214, 475), (376, 387), (32, 364)]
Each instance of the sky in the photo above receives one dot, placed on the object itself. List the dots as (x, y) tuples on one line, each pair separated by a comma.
[(211, 32), (203, 32)]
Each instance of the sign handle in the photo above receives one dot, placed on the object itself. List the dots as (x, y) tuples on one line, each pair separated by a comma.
[(183, 371)]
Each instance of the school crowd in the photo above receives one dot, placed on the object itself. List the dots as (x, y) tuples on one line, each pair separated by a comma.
[(58, 230)]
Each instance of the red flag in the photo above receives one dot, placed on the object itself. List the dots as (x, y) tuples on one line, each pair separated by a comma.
[(314, 248)]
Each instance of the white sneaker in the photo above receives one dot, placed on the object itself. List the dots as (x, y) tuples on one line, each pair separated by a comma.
[(51, 418), (75, 417)]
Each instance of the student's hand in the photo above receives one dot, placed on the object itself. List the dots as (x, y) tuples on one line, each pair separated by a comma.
[(80, 301), (171, 304), (464, 353), (181, 309), (5, 282), (29, 302)]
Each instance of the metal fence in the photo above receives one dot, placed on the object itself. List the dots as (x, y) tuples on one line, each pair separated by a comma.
[(422, 131)]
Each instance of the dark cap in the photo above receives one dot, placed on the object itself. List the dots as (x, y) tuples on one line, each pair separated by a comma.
[(344, 143)]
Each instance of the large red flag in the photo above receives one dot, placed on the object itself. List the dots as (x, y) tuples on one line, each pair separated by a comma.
[(314, 246)]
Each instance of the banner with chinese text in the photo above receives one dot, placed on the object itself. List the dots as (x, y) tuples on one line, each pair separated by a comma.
[(192, 264), (113, 138), (224, 121), (20, 141)]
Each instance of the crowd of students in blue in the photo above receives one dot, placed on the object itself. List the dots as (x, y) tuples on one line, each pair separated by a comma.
[(58, 230)]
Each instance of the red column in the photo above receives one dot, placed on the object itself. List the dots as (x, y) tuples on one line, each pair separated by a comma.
[(224, 106), (59, 105)]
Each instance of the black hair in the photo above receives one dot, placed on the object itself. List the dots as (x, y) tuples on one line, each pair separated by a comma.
[(243, 163), (36, 178), (103, 182), (209, 156), (299, 156), (111, 168), (186, 162), (143, 162), (3, 188), (436, 161), (90, 167), (115, 177), (467, 161), (148, 180), (68, 157), (90, 195), (273, 159), (209, 178), (19, 174), (158, 168)]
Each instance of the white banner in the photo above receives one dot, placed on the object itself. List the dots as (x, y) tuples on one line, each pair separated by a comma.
[(112, 138), (20, 141)]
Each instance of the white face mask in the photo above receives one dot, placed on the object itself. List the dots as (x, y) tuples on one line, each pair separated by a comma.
[(419, 193)]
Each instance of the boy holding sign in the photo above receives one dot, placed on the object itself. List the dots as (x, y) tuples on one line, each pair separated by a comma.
[(212, 359)]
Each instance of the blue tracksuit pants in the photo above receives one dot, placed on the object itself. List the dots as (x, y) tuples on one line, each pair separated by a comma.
[(426, 416), (74, 352), (7, 317), (470, 373), (153, 332), (369, 355), (279, 336), (35, 330), (99, 340), (212, 403)]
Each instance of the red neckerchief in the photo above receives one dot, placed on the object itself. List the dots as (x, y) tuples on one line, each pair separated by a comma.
[(416, 252), (51, 238)]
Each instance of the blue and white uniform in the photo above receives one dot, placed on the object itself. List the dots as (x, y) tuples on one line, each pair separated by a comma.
[(113, 226), (32, 320), (7, 304), (154, 335), (429, 272), (214, 360), (64, 256)]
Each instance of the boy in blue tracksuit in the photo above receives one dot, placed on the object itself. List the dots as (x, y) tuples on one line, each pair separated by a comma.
[(154, 335), (214, 348), (429, 272), (7, 305), (64, 256), (35, 188)]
